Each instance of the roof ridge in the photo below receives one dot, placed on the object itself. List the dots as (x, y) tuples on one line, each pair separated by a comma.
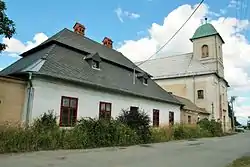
[(165, 57)]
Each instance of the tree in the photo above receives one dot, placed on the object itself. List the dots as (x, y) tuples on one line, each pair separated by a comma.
[(7, 26), (138, 121)]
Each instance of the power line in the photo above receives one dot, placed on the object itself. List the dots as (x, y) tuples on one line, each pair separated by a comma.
[(173, 34)]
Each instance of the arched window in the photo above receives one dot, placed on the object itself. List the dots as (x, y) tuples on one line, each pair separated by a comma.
[(204, 51)]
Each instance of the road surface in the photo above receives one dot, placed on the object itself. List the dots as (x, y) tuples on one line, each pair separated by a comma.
[(207, 152)]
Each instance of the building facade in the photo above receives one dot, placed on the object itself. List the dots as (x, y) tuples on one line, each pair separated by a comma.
[(74, 76), (197, 76)]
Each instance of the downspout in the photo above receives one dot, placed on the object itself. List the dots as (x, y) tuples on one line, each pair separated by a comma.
[(29, 100), (194, 88)]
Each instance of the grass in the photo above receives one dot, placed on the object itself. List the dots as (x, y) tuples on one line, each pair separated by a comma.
[(241, 162)]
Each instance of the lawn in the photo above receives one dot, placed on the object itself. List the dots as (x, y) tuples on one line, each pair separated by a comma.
[(241, 162)]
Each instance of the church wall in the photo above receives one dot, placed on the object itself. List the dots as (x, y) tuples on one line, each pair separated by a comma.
[(187, 87)]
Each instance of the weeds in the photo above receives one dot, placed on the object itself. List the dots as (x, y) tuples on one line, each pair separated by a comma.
[(45, 134)]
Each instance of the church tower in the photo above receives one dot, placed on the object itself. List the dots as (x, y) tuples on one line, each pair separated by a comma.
[(207, 48)]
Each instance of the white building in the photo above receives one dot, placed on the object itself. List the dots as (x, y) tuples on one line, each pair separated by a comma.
[(76, 77), (197, 76)]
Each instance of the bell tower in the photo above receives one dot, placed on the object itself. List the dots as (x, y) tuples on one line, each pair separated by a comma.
[(207, 47)]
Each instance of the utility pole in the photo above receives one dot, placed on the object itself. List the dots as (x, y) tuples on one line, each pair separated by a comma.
[(232, 101)]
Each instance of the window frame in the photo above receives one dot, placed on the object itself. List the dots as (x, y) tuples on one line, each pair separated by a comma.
[(62, 107), (107, 114), (199, 96), (189, 119), (172, 121), (156, 118), (203, 54)]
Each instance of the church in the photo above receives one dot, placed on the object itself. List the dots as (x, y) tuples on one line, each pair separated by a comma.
[(197, 76)]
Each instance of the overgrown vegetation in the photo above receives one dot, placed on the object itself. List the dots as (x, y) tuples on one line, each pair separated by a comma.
[(128, 129), (241, 162)]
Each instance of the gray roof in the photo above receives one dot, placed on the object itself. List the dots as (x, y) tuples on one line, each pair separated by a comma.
[(189, 105), (62, 56), (175, 66)]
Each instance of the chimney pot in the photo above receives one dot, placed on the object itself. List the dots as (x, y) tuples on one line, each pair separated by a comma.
[(79, 29), (107, 42)]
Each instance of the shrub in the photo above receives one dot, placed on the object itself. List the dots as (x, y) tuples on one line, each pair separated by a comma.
[(182, 131), (138, 121), (103, 133), (212, 127), (161, 134), (46, 121)]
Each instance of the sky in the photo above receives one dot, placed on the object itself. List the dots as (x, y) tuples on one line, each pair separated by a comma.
[(138, 28)]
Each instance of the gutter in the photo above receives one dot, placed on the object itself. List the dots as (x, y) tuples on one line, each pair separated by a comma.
[(29, 100)]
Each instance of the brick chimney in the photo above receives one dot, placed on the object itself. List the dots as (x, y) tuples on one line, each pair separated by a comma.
[(107, 42), (79, 29)]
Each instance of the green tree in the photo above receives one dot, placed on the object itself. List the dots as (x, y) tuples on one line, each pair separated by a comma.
[(138, 121), (7, 26)]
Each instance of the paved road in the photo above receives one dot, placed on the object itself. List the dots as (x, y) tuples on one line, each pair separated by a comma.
[(213, 152)]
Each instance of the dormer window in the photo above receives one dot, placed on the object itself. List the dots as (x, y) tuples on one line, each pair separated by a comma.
[(93, 60), (145, 81), (143, 77), (95, 64)]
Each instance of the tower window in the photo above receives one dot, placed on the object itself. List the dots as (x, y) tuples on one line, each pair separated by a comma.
[(200, 94), (204, 51)]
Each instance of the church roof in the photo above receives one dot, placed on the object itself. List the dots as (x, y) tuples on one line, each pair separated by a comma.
[(183, 65), (175, 66), (205, 30)]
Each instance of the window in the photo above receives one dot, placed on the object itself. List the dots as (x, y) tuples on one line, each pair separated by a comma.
[(105, 110), (68, 114), (156, 114), (95, 64), (145, 81), (204, 51), (189, 119), (171, 118), (133, 108), (200, 94)]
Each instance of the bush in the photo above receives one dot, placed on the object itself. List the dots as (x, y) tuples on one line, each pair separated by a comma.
[(104, 133), (138, 121), (161, 134), (128, 129), (212, 127), (44, 134)]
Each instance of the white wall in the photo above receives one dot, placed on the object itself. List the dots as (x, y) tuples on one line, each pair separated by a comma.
[(47, 96)]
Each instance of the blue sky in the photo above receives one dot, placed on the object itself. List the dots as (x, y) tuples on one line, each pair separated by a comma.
[(49, 17), (140, 20)]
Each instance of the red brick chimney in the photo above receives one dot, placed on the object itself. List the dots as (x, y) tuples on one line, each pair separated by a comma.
[(79, 29), (107, 42)]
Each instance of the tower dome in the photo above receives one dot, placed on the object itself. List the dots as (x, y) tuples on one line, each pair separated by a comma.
[(205, 30)]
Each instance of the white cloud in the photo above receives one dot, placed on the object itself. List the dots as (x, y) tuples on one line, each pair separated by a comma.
[(121, 14), (235, 49), (16, 47), (1, 69)]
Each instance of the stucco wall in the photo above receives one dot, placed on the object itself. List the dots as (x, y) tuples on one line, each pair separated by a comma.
[(187, 87), (194, 116), (12, 95), (47, 96)]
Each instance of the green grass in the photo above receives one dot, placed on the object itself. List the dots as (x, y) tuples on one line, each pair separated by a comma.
[(241, 162)]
